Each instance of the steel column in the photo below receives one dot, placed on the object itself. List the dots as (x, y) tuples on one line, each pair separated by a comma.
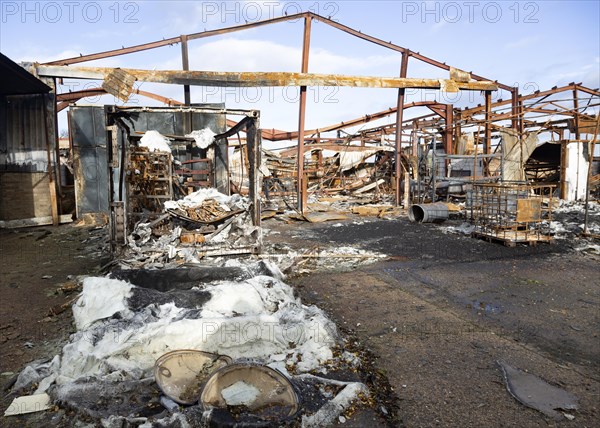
[(577, 137), (302, 115), (399, 114), (185, 63), (515, 109), (449, 118)]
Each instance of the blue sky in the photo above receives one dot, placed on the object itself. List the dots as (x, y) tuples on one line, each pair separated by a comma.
[(535, 44)]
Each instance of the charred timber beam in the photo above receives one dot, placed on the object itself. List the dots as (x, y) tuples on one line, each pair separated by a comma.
[(262, 79)]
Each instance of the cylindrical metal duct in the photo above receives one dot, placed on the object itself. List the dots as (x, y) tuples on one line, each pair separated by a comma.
[(428, 213)]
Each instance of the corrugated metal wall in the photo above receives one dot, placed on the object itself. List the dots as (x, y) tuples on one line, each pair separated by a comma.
[(25, 128), (23, 134)]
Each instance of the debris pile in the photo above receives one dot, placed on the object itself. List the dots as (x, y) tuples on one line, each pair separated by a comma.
[(123, 329), (204, 223)]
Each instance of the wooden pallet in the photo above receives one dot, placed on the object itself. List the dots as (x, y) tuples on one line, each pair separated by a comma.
[(511, 238)]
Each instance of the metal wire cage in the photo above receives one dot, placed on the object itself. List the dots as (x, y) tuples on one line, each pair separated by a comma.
[(513, 211)]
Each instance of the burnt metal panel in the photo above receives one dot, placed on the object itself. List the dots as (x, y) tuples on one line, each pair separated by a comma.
[(23, 134), (86, 125)]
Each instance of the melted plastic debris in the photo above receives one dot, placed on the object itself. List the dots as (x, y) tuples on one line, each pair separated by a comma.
[(100, 298), (236, 234), (203, 137), (568, 219), (196, 198), (113, 352), (155, 141), (463, 229)]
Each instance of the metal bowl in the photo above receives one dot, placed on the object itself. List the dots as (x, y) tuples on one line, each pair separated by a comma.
[(181, 374), (250, 392)]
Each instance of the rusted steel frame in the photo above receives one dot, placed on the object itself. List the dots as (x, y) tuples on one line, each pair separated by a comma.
[(539, 101), (115, 52), (171, 41), (439, 109), (247, 26), (257, 79), (392, 126), (449, 118), (399, 117), (185, 65), (394, 47), (288, 135), (487, 140), (77, 95), (521, 123), (564, 161), (92, 92), (254, 153), (301, 186), (385, 129), (457, 126), (589, 91), (61, 106), (331, 146), (203, 34), (577, 134), (65, 99), (514, 102), (506, 116), (473, 110), (548, 111)]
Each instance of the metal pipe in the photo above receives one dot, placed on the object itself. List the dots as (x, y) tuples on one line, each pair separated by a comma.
[(428, 213)]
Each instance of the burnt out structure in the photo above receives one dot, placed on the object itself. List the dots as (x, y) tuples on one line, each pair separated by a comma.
[(440, 151), (28, 167)]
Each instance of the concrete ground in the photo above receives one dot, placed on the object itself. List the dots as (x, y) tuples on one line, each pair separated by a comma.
[(444, 309), (430, 322)]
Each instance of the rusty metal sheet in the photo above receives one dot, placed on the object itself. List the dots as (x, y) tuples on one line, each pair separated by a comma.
[(586, 126), (529, 210)]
